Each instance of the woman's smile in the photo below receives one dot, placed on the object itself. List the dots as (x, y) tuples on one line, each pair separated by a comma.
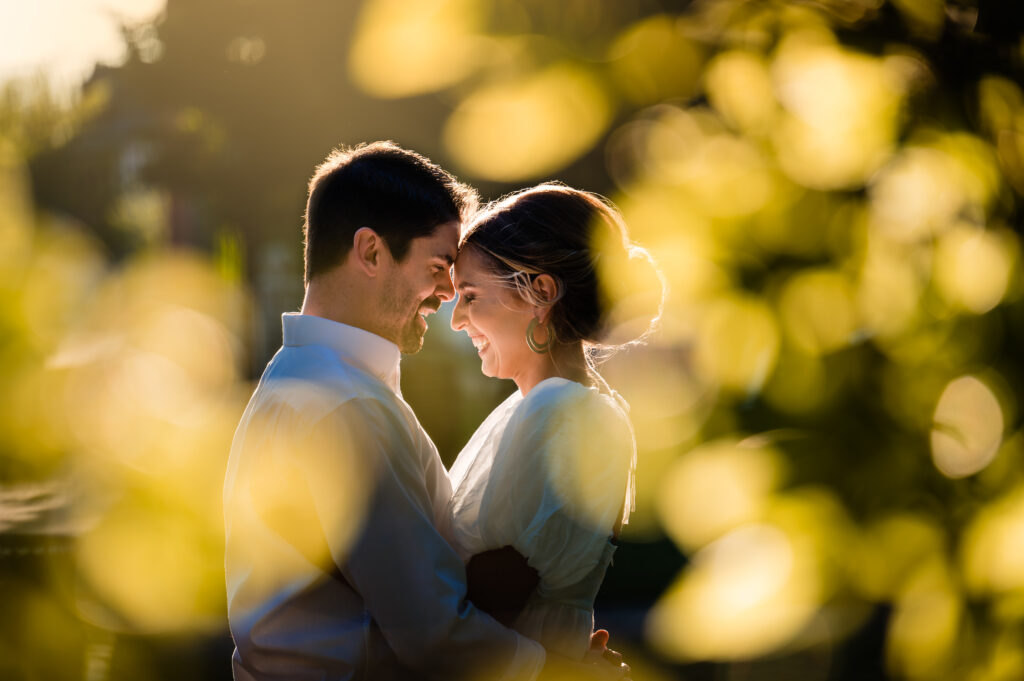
[(480, 343)]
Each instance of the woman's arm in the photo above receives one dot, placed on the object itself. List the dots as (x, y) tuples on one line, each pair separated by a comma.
[(499, 582)]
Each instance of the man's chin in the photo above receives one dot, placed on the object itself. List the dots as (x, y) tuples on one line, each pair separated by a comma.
[(408, 346), (411, 340)]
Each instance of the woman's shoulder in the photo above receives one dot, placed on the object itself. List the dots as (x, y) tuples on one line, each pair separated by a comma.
[(554, 390), (557, 399)]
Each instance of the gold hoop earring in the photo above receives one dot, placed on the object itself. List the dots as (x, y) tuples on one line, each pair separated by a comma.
[(539, 348)]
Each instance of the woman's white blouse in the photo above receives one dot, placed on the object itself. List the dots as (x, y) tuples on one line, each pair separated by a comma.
[(549, 474)]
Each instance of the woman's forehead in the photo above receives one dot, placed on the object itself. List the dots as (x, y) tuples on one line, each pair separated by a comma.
[(469, 264)]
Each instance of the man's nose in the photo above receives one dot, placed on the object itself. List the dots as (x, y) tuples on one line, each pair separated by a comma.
[(445, 290)]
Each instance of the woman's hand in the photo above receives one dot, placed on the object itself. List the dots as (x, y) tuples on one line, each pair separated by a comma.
[(599, 648), (604, 658)]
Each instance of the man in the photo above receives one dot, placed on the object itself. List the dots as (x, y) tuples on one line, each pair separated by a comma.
[(334, 493)]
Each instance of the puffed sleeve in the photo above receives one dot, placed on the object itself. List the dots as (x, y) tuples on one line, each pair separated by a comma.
[(560, 480)]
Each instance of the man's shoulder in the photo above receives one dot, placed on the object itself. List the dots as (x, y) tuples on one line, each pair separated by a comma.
[(315, 381)]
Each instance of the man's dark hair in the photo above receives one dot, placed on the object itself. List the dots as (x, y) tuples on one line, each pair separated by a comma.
[(397, 193)]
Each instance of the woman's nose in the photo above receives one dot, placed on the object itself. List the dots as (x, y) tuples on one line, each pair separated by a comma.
[(458, 315)]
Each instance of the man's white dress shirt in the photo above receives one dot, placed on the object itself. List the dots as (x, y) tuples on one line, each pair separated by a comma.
[(332, 500)]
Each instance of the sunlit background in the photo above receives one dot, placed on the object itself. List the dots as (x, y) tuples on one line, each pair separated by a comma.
[(831, 465)]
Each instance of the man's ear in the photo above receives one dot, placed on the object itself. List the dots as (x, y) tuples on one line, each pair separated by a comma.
[(368, 248), (545, 288)]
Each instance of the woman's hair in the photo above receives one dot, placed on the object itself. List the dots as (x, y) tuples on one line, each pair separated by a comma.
[(581, 241)]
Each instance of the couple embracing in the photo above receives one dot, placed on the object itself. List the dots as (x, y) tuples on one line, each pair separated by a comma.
[(351, 553)]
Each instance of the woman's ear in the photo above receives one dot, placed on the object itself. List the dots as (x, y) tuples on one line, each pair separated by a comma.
[(546, 289), (367, 250)]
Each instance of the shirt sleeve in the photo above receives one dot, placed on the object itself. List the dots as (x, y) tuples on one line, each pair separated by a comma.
[(411, 581), (567, 461)]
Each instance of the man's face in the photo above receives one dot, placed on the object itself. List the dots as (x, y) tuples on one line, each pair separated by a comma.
[(416, 287)]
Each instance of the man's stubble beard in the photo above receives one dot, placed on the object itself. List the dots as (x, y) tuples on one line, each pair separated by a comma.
[(401, 313), (410, 340)]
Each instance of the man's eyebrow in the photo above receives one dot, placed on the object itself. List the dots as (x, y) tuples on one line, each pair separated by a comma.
[(447, 257)]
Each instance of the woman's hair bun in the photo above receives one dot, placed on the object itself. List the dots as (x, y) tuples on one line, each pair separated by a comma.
[(632, 286)]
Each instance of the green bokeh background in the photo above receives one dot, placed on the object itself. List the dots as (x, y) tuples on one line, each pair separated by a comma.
[(830, 452)]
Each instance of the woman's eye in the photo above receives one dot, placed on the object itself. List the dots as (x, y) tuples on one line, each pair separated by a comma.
[(468, 298)]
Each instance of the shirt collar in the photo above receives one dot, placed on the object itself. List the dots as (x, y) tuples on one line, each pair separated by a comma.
[(376, 355)]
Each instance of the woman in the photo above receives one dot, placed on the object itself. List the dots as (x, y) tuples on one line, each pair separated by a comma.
[(546, 482)]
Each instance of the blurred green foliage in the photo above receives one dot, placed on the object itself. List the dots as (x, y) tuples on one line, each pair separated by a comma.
[(829, 420)]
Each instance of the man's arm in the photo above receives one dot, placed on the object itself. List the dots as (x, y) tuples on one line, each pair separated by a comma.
[(499, 582), (411, 581)]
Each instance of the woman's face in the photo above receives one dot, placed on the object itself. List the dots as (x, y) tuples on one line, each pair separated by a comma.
[(493, 316)]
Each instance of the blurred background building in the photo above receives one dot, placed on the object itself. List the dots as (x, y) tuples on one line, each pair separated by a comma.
[(831, 470)]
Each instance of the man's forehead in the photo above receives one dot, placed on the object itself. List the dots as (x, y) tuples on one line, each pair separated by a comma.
[(443, 241)]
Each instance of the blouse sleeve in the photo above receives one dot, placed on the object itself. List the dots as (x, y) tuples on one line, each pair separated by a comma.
[(559, 481)]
